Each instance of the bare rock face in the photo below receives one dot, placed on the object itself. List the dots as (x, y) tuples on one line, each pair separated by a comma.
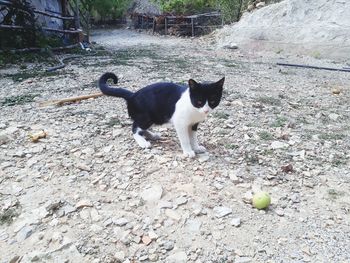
[(316, 28)]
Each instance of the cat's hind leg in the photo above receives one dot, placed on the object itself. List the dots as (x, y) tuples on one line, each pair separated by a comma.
[(151, 135), (194, 140), (138, 134)]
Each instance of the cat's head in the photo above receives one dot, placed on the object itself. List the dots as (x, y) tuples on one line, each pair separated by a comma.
[(205, 96)]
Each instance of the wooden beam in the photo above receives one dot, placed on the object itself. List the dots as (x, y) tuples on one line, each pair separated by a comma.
[(43, 28)]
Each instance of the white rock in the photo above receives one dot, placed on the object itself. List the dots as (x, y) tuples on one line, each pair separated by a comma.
[(120, 221), (83, 203), (152, 194), (24, 233), (333, 116), (221, 211), (165, 204), (119, 256), (193, 225), (278, 145), (181, 200), (235, 222), (178, 257), (172, 214)]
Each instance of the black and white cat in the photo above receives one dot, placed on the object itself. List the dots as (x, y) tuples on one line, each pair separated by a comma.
[(184, 107)]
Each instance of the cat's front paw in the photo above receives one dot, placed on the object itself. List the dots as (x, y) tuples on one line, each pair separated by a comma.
[(144, 144), (190, 154), (200, 149)]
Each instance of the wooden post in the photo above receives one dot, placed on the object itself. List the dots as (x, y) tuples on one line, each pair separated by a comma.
[(154, 25), (192, 24), (166, 25), (77, 18)]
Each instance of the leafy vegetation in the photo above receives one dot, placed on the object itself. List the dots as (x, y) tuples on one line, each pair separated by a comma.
[(107, 9), (19, 100)]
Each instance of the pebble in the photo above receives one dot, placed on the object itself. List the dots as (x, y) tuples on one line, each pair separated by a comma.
[(193, 225), (278, 145), (120, 221), (235, 222), (146, 240), (181, 201), (165, 204), (172, 214), (119, 256), (24, 233), (178, 257), (152, 194), (279, 212), (221, 211), (243, 260), (83, 203)]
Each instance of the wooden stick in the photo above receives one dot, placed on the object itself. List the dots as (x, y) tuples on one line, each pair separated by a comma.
[(72, 99)]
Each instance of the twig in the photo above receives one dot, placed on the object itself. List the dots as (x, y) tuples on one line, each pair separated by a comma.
[(72, 99), (313, 67)]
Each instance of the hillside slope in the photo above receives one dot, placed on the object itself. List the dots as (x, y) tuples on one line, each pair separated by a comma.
[(319, 28)]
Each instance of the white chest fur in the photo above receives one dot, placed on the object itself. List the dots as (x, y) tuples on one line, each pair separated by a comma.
[(185, 113)]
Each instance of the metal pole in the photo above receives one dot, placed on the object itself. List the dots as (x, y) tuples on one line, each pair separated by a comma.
[(166, 25)]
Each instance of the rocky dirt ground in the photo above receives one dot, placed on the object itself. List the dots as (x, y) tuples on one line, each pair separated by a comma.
[(87, 193)]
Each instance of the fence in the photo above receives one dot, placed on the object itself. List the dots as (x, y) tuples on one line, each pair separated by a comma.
[(179, 25)]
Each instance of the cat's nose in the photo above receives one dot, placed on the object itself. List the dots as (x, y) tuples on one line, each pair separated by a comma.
[(206, 111)]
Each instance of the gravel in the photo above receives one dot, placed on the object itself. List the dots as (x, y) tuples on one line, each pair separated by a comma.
[(87, 193)]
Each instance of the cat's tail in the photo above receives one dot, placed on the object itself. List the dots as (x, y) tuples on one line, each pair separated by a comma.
[(107, 90)]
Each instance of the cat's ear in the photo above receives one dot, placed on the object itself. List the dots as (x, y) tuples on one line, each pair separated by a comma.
[(192, 84), (220, 83)]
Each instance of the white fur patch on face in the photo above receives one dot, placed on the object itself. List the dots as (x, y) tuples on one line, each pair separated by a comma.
[(205, 109)]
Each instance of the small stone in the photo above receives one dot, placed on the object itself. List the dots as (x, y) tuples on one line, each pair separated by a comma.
[(24, 233), (279, 212), (68, 209), (15, 259), (260, 5), (231, 46), (146, 240), (165, 204), (137, 239), (295, 198), (178, 257), (172, 214), (235, 222), (143, 258), (247, 197), (120, 221), (152, 235), (4, 139), (83, 167), (152, 194), (278, 145), (193, 225), (108, 222), (181, 201), (203, 157), (243, 259), (333, 116), (119, 256), (221, 211), (95, 216), (169, 245), (153, 257), (83, 203)]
